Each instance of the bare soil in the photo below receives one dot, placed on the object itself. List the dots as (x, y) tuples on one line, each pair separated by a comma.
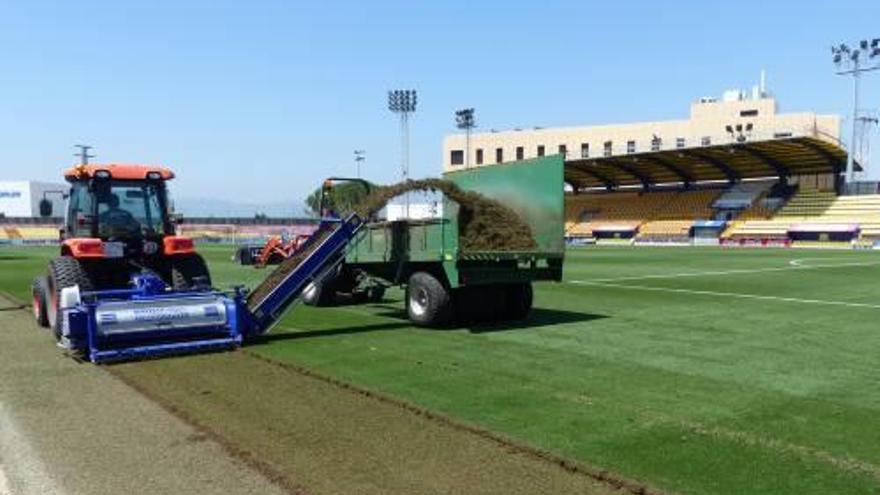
[(310, 434), (69, 428)]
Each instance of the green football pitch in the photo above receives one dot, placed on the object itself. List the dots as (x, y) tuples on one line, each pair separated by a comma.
[(691, 370)]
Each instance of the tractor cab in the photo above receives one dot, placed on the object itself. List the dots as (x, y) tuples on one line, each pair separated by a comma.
[(120, 211)]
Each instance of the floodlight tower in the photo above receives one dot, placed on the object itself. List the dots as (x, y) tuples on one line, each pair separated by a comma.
[(855, 61), (464, 119), (403, 102), (359, 157)]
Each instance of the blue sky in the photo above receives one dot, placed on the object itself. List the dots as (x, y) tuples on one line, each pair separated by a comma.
[(258, 101)]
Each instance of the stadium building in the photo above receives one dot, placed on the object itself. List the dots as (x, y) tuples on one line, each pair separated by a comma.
[(735, 172), (21, 199)]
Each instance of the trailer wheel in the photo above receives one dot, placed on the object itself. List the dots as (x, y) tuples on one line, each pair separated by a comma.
[(519, 300), (427, 300), (188, 271), (376, 293), (64, 271), (38, 301), (318, 293)]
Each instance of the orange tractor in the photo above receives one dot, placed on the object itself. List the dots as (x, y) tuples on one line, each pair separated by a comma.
[(276, 249), (118, 224)]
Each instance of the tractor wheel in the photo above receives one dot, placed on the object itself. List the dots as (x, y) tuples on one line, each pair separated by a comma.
[(64, 271), (243, 256), (519, 300), (38, 301), (427, 300), (189, 271)]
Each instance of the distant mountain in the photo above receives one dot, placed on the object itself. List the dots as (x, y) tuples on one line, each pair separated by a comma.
[(210, 207)]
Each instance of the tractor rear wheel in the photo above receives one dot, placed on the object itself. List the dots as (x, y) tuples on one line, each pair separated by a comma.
[(189, 271), (38, 301), (64, 271), (427, 300)]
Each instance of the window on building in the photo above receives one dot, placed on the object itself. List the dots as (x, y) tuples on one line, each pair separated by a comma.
[(563, 150), (499, 155), (585, 150), (607, 148), (656, 143), (520, 153), (705, 141), (748, 113), (456, 157), (680, 142), (630, 146), (540, 150), (479, 156)]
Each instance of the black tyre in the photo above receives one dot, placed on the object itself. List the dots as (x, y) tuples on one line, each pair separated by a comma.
[(481, 304), (243, 256), (427, 300), (189, 271), (320, 293), (376, 293), (519, 300), (64, 272), (39, 291)]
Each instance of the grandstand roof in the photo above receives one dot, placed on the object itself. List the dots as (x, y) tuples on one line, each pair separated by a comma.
[(730, 161)]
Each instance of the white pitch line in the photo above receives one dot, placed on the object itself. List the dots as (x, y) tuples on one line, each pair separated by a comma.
[(729, 294), (732, 272), (4, 484), (23, 467)]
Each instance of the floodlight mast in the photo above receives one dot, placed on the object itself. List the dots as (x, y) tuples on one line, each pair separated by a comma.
[(359, 157), (403, 102), (855, 61), (464, 119)]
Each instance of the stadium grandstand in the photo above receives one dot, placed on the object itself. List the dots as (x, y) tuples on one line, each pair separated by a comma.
[(736, 173), (35, 230)]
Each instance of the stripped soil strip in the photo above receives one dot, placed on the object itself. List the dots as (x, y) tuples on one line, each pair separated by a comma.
[(321, 435), (603, 476), (246, 457)]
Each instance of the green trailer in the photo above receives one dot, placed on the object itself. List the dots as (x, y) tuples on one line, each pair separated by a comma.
[(442, 280)]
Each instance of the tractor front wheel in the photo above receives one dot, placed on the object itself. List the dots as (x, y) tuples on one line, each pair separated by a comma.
[(64, 271), (189, 271)]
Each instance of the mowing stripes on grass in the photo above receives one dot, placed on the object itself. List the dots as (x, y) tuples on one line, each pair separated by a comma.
[(728, 294)]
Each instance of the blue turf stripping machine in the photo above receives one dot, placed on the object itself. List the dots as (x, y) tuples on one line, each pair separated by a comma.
[(150, 320)]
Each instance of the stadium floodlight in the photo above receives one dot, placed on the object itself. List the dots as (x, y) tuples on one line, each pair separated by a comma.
[(853, 62), (359, 157), (403, 102), (464, 119)]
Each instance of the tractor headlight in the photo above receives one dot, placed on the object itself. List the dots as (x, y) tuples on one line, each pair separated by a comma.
[(102, 174), (154, 175)]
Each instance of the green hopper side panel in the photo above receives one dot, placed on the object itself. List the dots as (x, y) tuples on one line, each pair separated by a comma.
[(532, 188)]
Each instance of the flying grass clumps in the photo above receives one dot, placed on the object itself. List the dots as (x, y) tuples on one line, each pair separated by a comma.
[(484, 225)]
